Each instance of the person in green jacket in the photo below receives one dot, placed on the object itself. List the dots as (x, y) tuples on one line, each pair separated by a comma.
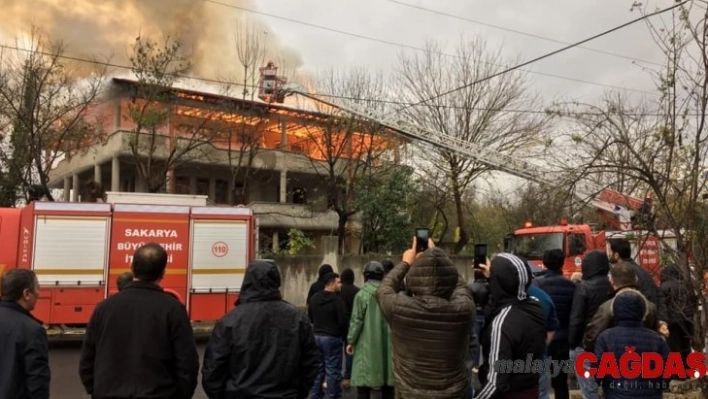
[(370, 339)]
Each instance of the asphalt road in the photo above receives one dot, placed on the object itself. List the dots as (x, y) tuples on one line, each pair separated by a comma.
[(64, 363)]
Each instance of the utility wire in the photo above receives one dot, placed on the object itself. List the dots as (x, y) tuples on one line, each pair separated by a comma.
[(342, 97), (108, 64), (518, 32), (547, 55), (407, 46)]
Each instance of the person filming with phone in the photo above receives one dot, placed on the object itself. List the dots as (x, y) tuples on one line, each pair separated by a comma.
[(430, 322)]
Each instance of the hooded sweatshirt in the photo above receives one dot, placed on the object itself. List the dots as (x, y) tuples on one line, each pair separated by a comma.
[(515, 328), (593, 291), (262, 348), (328, 314), (430, 327), (318, 285), (629, 308)]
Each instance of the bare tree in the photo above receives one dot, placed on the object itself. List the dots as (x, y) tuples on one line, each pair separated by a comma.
[(342, 147), (245, 138), (169, 128), (659, 147), (43, 114), (483, 113)]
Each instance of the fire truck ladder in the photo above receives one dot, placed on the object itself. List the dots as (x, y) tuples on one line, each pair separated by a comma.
[(585, 193)]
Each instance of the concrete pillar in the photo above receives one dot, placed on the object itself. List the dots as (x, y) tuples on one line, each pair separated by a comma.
[(212, 188), (283, 197), (276, 242), (97, 175), (193, 185), (67, 189), (115, 174), (75, 188), (283, 135)]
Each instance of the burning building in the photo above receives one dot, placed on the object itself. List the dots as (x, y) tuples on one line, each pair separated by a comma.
[(273, 158)]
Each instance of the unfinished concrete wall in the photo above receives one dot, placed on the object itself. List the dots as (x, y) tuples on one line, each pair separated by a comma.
[(299, 272)]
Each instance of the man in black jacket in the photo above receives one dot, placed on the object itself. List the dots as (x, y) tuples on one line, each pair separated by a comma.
[(329, 317), (620, 249), (24, 363), (594, 289), (139, 342), (516, 327), (561, 290), (281, 363), (318, 285)]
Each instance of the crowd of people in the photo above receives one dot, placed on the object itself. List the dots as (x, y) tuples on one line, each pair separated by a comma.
[(412, 330)]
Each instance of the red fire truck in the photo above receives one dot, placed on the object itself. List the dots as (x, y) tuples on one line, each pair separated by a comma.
[(576, 240), (79, 249)]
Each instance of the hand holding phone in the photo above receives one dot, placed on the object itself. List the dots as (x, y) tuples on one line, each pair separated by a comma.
[(480, 255), (421, 239)]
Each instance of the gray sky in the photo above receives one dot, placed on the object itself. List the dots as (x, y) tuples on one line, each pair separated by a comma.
[(567, 21), (590, 73), (89, 26)]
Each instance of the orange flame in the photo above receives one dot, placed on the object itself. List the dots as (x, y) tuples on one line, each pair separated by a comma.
[(314, 135)]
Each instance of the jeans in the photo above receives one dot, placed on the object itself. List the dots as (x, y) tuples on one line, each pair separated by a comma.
[(477, 357), (544, 384), (330, 351), (559, 350), (588, 386)]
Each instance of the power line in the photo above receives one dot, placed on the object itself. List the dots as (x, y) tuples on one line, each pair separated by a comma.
[(520, 32), (552, 53), (407, 46), (108, 64), (352, 98)]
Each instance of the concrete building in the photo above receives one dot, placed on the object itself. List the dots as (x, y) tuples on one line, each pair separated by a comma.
[(204, 137)]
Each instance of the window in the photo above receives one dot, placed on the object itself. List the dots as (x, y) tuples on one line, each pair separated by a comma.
[(202, 187), (182, 185), (533, 246), (299, 196), (222, 192), (576, 244)]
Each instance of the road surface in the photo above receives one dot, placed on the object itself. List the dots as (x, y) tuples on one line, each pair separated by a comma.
[(64, 363)]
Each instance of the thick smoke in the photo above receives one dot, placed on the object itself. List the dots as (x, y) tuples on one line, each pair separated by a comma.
[(108, 28)]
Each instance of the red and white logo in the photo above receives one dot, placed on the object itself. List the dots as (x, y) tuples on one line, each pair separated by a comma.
[(647, 365)]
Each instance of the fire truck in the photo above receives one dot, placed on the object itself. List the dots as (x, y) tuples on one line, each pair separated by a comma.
[(79, 249), (574, 240)]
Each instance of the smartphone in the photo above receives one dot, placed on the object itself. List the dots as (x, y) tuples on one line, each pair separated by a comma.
[(480, 255), (421, 239)]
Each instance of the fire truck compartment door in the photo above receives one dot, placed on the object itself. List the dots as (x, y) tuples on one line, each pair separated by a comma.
[(70, 250), (219, 254)]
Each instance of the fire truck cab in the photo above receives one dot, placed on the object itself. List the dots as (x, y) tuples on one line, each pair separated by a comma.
[(78, 250), (576, 240)]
